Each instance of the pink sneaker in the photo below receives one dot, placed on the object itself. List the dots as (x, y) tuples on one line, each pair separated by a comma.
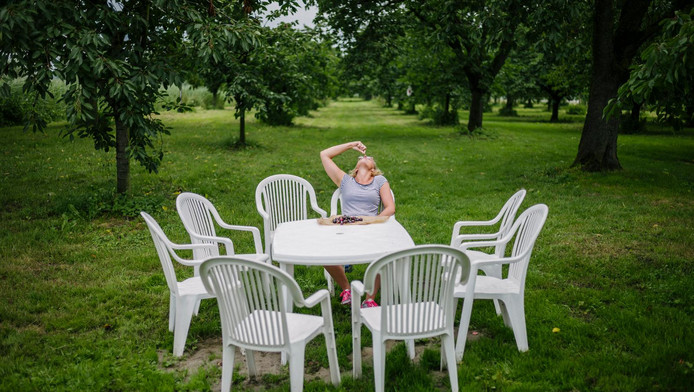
[(346, 297), (369, 303)]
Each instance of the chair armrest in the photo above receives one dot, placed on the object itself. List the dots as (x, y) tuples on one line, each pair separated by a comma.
[(316, 298), (499, 260), (226, 241), (254, 230), (357, 287), (190, 263), (458, 225), (319, 210), (457, 240), (259, 206), (481, 244)]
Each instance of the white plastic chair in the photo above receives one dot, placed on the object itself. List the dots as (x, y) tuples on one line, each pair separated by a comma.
[(282, 198), (505, 219), (251, 297), (199, 217), (185, 295), (416, 302), (510, 290)]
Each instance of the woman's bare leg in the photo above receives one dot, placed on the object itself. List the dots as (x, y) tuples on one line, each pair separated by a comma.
[(338, 274), (377, 285)]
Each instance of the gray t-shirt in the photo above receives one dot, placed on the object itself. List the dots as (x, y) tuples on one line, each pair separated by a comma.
[(358, 199)]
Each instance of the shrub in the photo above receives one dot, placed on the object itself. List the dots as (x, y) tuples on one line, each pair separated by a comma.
[(276, 112), (190, 96), (576, 109), (16, 106), (507, 112), (439, 116)]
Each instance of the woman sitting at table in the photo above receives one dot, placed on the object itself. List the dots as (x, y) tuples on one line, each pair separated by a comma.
[(363, 190)]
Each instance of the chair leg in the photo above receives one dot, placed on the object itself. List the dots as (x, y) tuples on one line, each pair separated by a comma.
[(250, 363), (379, 356), (296, 367), (463, 328), (497, 307), (228, 352), (329, 280), (495, 271), (289, 304), (197, 307), (184, 313), (172, 311), (409, 343), (331, 347), (356, 347), (448, 348), (516, 315)]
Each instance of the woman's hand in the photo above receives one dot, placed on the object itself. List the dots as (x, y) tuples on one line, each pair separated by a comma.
[(359, 146)]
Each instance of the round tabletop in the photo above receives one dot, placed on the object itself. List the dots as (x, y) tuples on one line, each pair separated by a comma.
[(306, 242)]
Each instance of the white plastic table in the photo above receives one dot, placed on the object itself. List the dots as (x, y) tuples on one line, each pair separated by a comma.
[(306, 242)]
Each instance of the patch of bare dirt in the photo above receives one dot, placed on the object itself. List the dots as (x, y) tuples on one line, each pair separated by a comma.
[(208, 353)]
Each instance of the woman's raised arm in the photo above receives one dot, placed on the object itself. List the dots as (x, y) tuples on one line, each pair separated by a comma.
[(327, 155)]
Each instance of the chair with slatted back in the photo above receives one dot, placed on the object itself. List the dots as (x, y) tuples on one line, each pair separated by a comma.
[(509, 291), (199, 217), (251, 297), (285, 198), (416, 302), (504, 219), (185, 295)]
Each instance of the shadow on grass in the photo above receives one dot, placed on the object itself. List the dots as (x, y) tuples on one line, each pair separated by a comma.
[(235, 144)]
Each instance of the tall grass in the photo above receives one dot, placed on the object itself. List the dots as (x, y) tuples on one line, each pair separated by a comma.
[(84, 303), (193, 96)]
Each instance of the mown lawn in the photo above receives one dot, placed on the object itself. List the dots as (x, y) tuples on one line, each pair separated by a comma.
[(84, 304)]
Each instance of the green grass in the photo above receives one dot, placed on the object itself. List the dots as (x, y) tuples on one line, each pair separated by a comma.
[(84, 303)]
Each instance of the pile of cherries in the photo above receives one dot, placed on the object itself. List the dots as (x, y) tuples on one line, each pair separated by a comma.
[(347, 219)]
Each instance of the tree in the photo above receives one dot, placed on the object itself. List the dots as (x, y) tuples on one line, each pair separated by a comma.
[(619, 31), (429, 70), (368, 50), (664, 79), (299, 69), (115, 56), (481, 34), (560, 43), (517, 80)]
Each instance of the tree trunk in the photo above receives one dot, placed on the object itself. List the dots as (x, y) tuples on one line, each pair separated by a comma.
[(555, 109), (122, 158), (476, 110), (632, 123), (636, 113), (614, 48), (242, 128), (689, 120), (509, 103), (597, 149), (446, 104)]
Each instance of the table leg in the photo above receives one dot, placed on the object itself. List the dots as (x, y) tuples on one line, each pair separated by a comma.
[(288, 304)]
